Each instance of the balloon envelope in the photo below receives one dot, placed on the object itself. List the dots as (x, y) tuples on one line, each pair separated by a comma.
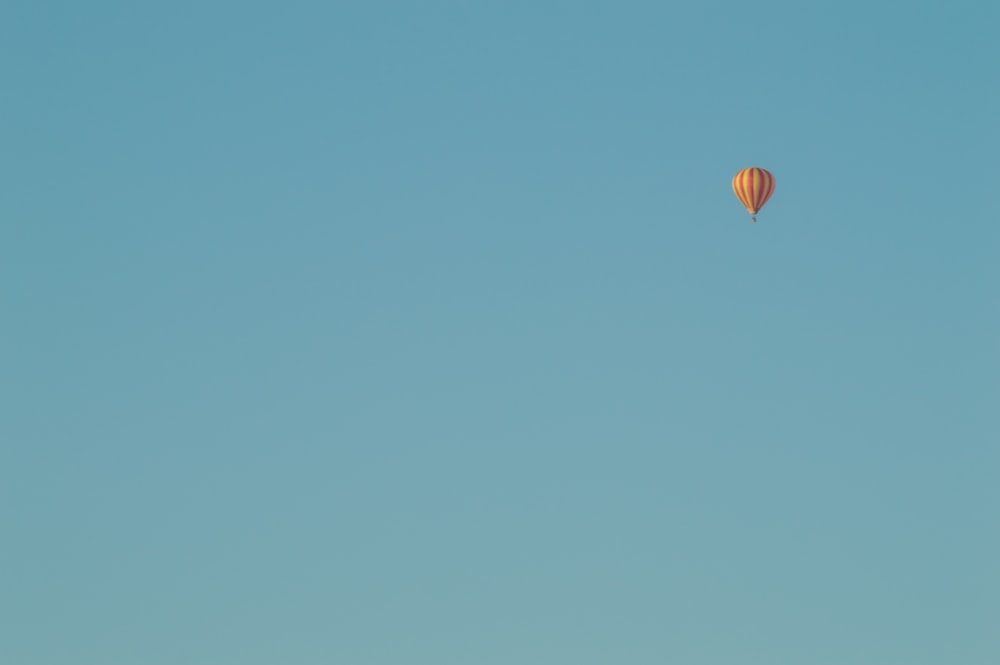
[(753, 187)]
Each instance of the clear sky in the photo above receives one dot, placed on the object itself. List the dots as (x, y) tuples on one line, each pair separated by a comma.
[(431, 333)]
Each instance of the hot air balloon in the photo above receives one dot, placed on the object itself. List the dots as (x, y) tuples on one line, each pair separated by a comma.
[(753, 187)]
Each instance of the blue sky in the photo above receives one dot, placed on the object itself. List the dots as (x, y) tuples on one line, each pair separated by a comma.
[(432, 333)]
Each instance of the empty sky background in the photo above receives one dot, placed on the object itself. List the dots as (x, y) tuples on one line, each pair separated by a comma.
[(431, 333)]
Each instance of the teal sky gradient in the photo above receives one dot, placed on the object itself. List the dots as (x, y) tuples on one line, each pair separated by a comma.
[(431, 333)]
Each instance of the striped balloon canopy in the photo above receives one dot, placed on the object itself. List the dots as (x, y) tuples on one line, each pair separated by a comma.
[(753, 187)]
